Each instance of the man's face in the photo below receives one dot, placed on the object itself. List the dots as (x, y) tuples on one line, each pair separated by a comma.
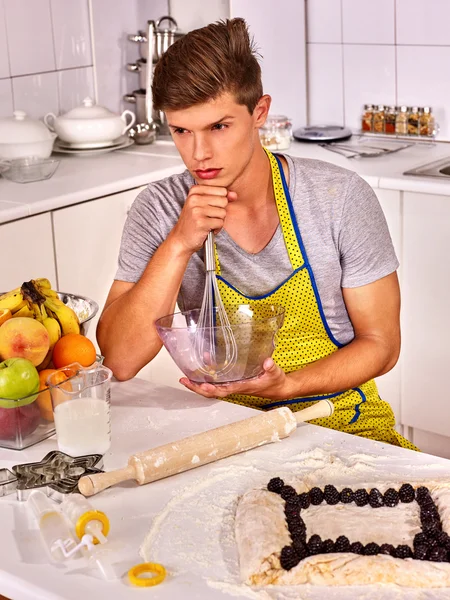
[(217, 139)]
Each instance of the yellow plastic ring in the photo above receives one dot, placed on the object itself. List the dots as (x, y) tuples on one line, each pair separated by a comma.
[(134, 572), (92, 515)]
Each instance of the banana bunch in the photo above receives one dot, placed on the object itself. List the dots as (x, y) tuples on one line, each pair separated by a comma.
[(37, 300)]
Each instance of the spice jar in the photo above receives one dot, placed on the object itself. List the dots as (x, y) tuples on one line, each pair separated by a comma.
[(413, 121), (276, 133), (426, 122), (389, 119), (367, 118), (378, 119), (401, 120)]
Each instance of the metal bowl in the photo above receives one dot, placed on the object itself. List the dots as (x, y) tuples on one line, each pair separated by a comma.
[(84, 308)]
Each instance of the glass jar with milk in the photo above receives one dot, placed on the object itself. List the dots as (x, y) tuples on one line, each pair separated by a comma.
[(81, 408)]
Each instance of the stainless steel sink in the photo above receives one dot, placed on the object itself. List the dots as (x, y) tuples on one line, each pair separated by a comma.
[(438, 168)]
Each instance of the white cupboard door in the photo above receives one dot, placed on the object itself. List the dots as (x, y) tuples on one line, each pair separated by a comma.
[(426, 323), (87, 242), (27, 250), (389, 385)]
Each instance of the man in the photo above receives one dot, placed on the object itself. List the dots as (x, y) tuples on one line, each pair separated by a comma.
[(304, 234)]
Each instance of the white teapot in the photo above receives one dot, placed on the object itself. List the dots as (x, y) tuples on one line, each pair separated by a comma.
[(90, 124)]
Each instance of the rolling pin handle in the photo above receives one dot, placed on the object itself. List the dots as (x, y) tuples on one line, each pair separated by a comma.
[(323, 408), (92, 484)]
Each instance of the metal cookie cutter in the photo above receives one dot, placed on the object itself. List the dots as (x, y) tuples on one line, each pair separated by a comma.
[(57, 475)]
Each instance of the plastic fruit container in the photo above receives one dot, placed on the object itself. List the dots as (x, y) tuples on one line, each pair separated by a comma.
[(254, 327)]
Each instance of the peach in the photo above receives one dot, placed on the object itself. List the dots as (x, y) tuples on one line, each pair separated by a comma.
[(24, 337)]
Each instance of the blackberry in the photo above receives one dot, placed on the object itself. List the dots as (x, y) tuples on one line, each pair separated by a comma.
[(291, 510), (391, 497), (420, 552), (315, 496), (357, 548), (303, 500), (437, 554), (288, 493), (376, 498), (420, 539), (442, 539), (289, 558), (315, 544), (331, 495), (387, 549), (275, 485), (299, 543), (371, 549), (406, 493), (346, 496), (422, 494), (342, 544), (431, 526), (296, 526), (328, 546), (361, 497), (403, 551)]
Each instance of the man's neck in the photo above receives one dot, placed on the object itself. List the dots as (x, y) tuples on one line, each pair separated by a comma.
[(254, 185)]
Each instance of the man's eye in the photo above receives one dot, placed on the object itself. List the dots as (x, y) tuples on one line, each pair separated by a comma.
[(220, 126), (179, 130)]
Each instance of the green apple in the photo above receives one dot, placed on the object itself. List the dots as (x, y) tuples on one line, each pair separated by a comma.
[(19, 379)]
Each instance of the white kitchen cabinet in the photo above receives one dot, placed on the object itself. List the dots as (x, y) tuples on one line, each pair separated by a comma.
[(389, 385), (87, 242), (26, 247), (426, 302)]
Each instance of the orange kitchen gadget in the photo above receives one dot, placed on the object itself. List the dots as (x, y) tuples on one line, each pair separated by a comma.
[(134, 572)]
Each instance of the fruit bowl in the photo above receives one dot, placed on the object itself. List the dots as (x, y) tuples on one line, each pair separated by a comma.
[(254, 327), (84, 308)]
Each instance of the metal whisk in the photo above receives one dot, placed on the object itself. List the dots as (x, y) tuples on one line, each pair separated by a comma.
[(215, 346)]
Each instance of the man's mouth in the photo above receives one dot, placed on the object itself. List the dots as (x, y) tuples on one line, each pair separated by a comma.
[(207, 173)]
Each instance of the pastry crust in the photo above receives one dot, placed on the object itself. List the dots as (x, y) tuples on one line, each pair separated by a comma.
[(261, 533)]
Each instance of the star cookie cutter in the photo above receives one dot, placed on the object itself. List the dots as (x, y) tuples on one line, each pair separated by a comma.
[(57, 475)]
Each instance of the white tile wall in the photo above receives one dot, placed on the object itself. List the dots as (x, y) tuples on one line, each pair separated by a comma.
[(4, 57), (392, 52), (36, 94), (325, 73), (45, 55), (72, 34), (324, 21)]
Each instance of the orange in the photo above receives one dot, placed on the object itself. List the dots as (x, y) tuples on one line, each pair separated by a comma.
[(44, 400), (5, 314), (73, 348)]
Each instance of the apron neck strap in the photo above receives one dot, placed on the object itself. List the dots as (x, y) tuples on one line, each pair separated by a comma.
[(285, 214)]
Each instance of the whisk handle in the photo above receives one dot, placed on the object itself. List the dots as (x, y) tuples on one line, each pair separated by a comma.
[(210, 263)]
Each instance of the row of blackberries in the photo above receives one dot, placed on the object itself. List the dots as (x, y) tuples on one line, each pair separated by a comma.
[(292, 555), (331, 496)]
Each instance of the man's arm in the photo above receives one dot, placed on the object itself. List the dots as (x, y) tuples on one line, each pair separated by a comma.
[(374, 311), (126, 331)]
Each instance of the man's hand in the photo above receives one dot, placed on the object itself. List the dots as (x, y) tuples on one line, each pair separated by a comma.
[(203, 211), (272, 383)]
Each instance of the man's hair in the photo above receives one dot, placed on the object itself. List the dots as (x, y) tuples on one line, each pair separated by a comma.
[(206, 63)]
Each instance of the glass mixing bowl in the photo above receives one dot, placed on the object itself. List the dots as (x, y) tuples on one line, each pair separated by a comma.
[(254, 327)]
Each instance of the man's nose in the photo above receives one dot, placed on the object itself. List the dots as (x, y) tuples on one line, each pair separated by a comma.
[(202, 150)]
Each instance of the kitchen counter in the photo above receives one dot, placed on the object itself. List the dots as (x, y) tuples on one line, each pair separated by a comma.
[(81, 179), (145, 416)]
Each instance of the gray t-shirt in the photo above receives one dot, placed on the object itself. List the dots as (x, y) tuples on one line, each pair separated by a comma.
[(342, 225)]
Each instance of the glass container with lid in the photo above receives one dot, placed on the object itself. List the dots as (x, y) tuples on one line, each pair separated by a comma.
[(413, 121), (378, 119), (276, 133), (389, 119), (367, 118), (426, 122), (401, 120)]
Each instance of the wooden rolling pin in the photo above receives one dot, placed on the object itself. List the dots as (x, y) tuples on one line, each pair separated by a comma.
[(206, 447)]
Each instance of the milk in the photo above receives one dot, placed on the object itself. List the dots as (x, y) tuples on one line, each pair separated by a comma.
[(83, 426)]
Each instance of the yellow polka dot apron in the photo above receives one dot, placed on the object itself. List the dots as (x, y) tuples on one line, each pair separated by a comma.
[(305, 336)]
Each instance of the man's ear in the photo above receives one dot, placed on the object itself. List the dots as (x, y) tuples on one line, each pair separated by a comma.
[(262, 110)]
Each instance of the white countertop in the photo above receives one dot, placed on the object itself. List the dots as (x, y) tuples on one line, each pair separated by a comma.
[(145, 416), (79, 179)]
